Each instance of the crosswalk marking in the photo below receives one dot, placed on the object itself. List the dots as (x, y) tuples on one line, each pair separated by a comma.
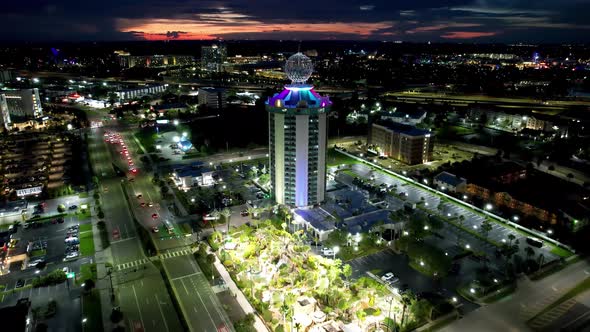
[(169, 254)]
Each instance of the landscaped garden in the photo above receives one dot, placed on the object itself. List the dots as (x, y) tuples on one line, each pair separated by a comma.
[(294, 289)]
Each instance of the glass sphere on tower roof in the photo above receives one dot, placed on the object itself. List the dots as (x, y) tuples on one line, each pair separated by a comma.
[(298, 68)]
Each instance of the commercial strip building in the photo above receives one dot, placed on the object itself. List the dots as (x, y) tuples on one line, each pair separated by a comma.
[(298, 138), (402, 142), (212, 97), (446, 181)]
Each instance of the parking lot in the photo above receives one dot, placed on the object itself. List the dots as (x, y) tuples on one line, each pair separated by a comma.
[(414, 194)]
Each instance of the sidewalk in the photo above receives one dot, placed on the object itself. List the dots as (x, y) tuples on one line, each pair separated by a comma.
[(246, 306), (101, 257)]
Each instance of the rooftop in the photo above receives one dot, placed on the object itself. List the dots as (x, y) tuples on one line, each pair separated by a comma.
[(404, 128), (450, 179), (298, 96)]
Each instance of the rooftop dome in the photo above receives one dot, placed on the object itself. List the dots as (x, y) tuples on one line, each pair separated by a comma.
[(298, 68)]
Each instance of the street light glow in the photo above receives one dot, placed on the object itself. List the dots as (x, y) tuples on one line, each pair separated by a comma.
[(176, 122), (489, 206)]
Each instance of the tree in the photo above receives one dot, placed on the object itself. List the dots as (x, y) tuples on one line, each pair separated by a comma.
[(530, 252), (511, 238), (210, 261), (61, 208), (551, 168), (347, 271), (226, 213), (486, 227), (215, 214), (116, 316), (88, 284)]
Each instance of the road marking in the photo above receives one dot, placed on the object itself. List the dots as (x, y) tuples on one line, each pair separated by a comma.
[(185, 276), (208, 314), (138, 308), (125, 239), (185, 289), (161, 312)]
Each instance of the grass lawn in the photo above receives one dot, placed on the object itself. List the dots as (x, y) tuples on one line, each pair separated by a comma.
[(578, 289), (85, 228), (86, 243), (336, 158), (147, 138), (92, 312), (87, 271), (83, 194), (83, 214)]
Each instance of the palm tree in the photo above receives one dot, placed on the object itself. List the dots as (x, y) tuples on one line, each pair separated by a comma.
[(530, 252), (511, 238), (226, 213), (215, 214), (541, 260), (210, 261), (288, 218)]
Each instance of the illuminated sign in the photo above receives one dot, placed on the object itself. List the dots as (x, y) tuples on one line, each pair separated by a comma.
[(29, 191)]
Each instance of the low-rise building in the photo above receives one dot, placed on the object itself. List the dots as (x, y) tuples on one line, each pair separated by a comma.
[(213, 97), (140, 92), (406, 143), (193, 175), (446, 181)]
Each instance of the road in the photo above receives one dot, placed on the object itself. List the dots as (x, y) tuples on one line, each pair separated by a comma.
[(529, 299), (199, 304), (143, 298)]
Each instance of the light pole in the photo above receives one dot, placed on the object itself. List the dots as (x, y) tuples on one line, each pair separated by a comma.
[(389, 299)]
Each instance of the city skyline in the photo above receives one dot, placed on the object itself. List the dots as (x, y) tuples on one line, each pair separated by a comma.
[(458, 21)]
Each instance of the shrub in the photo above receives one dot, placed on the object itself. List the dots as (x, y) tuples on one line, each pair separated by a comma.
[(61, 208)]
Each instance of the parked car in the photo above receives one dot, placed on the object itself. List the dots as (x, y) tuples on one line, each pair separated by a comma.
[(327, 252), (73, 207), (155, 229), (244, 213), (20, 283)]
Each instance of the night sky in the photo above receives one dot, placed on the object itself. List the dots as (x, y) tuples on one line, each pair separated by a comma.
[(414, 20)]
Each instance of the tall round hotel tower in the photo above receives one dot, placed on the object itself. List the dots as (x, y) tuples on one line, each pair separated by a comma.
[(298, 138)]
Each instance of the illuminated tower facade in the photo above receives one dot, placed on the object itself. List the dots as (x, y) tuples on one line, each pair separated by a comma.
[(298, 138)]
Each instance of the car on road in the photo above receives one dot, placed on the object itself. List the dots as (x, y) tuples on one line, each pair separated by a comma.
[(142, 204), (34, 262), (390, 278), (139, 196), (73, 207), (150, 204), (155, 229), (155, 216), (71, 255), (244, 213), (327, 252), (20, 283), (66, 269)]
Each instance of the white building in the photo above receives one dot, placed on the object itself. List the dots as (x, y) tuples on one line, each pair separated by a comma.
[(140, 92), (188, 177), (298, 130)]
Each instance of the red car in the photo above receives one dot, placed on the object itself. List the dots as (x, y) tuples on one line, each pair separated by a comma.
[(155, 216)]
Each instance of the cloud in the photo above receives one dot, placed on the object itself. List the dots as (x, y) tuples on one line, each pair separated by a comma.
[(467, 34), (367, 7)]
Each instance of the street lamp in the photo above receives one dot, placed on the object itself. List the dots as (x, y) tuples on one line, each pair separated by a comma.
[(421, 263), (464, 196), (84, 320), (389, 300), (467, 246), (176, 122), (184, 134), (515, 218), (489, 206)]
